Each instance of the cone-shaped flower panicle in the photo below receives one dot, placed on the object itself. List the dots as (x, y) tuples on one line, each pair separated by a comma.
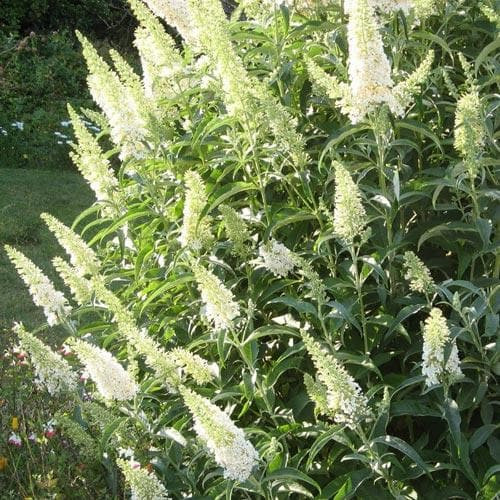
[(166, 365), (313, 280), (436, 338), (144, 484), (236, 229), (418, 274), (349, 216), (81, 288), (227, 442), (111, 379), (86, 445), (94, 166), (177, 14), (191, 364), (317, 393), (52, 371), (213, 35), (195, 231), (277, 258), (369, 69), (325, 83), (245, 97), (406, 89), (120, 103), (345, 402), (387, 6), (53, 302), (160, 59), (469, 130), (220, 306), (82, 257)]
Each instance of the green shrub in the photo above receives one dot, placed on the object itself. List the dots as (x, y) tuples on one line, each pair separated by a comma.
[(298, 261), (101, 17), (40, 73)]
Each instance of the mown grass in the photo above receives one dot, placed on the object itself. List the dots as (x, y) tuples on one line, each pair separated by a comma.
[(24, 195)]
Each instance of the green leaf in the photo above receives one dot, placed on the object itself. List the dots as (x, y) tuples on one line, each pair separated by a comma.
[(228, 191), (481, 435), (288, 473), (403, 447), (443, 228), (300, 306), (485, 53)]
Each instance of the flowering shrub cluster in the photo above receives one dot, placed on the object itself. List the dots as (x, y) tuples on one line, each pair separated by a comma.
[(290, 287)]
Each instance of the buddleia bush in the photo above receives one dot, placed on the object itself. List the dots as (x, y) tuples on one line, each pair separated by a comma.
[(289, 287)]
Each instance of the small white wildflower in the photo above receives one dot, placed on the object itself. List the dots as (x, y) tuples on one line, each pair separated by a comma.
[(15, 440), (277, 258), (227, 442)]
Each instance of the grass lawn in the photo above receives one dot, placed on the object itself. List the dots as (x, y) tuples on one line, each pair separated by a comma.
[(24, 195)]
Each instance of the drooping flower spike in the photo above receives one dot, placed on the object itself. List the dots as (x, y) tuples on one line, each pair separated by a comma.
[(227, 442), (54, 304), (51, 370), (111, 379)]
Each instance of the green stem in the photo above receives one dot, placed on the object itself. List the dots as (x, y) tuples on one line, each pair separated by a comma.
[(357, 278)]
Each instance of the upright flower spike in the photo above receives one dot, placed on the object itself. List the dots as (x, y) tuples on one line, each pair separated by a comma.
[(81, 288), (43, 293), (94, 166), (388, 6), (469, 131), (236, 230), (277, 258), (436, 338), (221, 308), (325, 83), (345, 402), (126, 114), (213, 35), (82, 257), (165, 364), (405, 90), (227, 442), (177, 14), (111, 379), (160, 59), (245, 97), (195, 231), (369, 69), (51, 370), (349, 216), (418, 274), (144, 484)]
